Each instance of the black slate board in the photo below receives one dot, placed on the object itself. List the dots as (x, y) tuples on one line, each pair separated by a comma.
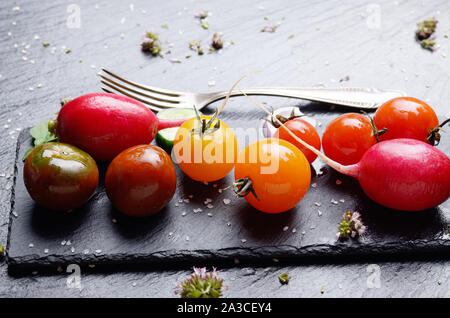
[(233, 231)]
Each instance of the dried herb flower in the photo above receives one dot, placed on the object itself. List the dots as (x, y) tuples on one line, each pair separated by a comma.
[(202, 14), (428, 44), (217, 42), (284, 278), (2, 250), (201, 285), (205, 24), (426, 28), (45, 44), (351, 226), (425, 33), (196, 46), (270, 27), (65, 100), (151, 43)]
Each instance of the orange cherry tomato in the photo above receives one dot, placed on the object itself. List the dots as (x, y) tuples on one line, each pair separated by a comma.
[(141, 180), (405, 117), (347, 138), (205, 157), (304, 131), (279, 174)]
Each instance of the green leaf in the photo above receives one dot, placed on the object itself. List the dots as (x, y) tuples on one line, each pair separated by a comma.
[(42, 133)]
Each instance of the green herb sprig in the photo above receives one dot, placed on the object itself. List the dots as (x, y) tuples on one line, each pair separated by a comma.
[(201, 285)]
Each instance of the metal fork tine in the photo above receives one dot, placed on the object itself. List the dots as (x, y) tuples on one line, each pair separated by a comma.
[(145, 87), (162, 98), (152, 105)]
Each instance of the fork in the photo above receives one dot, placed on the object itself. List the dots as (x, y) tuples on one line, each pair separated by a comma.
[(158, 99)]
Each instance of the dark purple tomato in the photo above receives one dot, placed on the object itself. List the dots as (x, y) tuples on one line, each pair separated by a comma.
[(59, 176), (141, 180)]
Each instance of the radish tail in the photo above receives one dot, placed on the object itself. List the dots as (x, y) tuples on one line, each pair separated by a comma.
[(168, 123), (351, 170)]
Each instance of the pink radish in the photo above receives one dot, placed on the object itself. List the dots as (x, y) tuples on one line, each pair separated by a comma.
[(104, 124), (402, 174)]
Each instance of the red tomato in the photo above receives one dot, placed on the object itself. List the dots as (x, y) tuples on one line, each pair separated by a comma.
[(347, 138), (405, 117), (141, 180), (304, 131), (279, 174)]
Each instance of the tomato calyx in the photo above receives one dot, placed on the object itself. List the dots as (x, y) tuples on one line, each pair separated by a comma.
[(281, 118), (206, 127), (243, 187), (434, 137), (377, 132)]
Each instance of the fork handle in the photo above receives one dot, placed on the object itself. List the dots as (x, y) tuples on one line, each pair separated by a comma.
[(347, 96)]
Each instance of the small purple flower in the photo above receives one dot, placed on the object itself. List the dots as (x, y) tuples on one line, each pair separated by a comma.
[(202, 14), (351, 225), (270, 27), (150, 43), (199, 271)]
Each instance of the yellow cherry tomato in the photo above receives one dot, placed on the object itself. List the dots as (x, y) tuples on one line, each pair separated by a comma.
[(205, 153)]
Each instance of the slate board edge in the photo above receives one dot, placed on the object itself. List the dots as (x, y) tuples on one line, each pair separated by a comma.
[(439, 248), (13, 187)]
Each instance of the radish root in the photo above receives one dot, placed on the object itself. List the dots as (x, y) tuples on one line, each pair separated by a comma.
[(351, 170)]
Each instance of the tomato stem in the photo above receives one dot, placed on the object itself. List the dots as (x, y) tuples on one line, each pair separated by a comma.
[(282, 118), (434, 137), (205, 127), (375, 130), (244, 187)]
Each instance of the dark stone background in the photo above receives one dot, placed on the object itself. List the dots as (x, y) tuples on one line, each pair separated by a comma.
[(331, 40)]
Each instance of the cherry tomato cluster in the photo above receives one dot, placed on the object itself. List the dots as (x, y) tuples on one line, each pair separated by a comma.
[(272, 174)]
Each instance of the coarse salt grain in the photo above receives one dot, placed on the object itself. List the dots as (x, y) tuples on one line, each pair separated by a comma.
[(226, 201), (285, 228)]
